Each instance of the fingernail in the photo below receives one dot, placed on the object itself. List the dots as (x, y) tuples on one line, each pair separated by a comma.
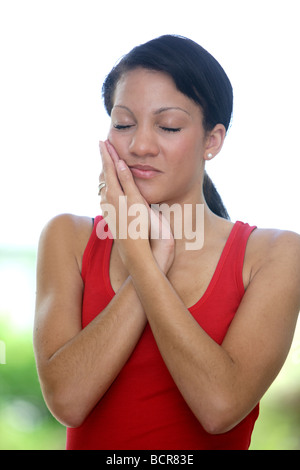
[(122, 165)]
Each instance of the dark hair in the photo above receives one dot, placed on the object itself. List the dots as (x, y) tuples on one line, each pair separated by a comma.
[(196, 74)]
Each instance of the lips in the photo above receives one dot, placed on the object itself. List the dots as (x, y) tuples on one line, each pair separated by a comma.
[(144, 171)]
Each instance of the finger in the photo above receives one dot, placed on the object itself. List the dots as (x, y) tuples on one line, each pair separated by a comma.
[(113, 188), (112, 151), (126, 179), (101, 176), (101, 188), (108, 167), (160, 226), (107, 162)]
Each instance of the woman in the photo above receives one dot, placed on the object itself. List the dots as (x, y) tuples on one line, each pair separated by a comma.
[(140, 342)]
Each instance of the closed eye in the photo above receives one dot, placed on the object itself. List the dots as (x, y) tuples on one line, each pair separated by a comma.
[(120, 127), (171, 129)]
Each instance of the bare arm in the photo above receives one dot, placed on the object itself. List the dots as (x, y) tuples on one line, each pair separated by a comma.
[(221, 384), (77, 366)]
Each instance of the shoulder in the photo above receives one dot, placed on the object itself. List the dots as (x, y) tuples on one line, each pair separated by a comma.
[(276, 252), (66, 233), (66, 223), (272, 243)]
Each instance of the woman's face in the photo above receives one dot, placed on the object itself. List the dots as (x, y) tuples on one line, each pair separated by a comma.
[(158, 132)]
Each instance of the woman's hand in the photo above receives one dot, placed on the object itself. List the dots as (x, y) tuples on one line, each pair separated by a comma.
[(137, 228), (162, 240)]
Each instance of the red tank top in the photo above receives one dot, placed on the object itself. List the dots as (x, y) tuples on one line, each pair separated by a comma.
[(143, 408)]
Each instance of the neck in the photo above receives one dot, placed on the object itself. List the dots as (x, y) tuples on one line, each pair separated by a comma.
[(190, 219)]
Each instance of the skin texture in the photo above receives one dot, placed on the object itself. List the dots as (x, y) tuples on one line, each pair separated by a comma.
[(220, 383)]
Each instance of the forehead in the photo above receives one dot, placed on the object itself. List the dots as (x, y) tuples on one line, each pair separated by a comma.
[(151, 90), (142, 75)]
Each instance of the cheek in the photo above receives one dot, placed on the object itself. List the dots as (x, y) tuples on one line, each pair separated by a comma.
[(185, 156), (111, 136), (118, 141)]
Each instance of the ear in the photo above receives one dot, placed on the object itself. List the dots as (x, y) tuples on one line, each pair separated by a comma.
[(214, 141)]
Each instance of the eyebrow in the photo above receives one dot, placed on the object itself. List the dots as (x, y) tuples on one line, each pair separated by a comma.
[(170, 108), (122, 107), (158, 111)]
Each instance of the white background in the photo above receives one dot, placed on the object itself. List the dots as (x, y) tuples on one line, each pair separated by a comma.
[(54, 57)]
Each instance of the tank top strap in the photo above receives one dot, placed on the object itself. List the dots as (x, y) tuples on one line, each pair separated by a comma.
[(235, 252)]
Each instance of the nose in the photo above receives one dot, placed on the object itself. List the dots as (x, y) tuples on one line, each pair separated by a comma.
[(144, 143)]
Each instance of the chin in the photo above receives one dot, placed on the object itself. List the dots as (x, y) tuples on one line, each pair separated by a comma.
[(156, 194), (150, 194), (157, 199)]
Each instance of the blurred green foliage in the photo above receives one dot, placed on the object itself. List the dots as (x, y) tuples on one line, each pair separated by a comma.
[(26, 423)]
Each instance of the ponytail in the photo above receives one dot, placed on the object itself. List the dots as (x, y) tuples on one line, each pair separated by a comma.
[(213, 198)]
